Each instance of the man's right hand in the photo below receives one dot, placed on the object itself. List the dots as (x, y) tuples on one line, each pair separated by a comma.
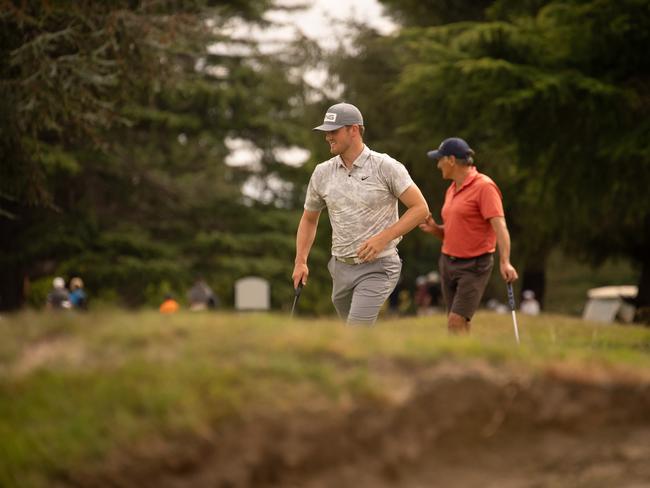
[(431, 227), (300, 274)]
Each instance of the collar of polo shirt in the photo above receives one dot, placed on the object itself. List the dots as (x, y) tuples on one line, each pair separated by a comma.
[(361, 158)]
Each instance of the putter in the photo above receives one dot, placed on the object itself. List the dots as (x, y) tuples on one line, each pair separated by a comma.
[(511, 300), (296, 296)]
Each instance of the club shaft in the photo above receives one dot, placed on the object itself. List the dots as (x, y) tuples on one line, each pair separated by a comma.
[(514, 323)]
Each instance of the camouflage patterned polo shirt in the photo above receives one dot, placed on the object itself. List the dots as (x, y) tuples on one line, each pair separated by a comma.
[(361, 202)]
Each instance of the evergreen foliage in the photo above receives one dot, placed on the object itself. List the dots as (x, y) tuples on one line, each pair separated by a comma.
[(114, 148), (118, 118), (550, 94)]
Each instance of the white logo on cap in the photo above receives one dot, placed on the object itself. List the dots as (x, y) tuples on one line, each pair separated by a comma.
[(330, 117)]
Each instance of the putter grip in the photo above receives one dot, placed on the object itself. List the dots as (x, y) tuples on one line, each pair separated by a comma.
[(511, 296), (298, 289)]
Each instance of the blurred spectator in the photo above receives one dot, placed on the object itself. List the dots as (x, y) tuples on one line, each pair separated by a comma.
[(422, 296), (201, 296), (404, 302), (78, 297), (427, 293), (529, 305), (169, 305), (496, 306), (58, 298), (433, 282)]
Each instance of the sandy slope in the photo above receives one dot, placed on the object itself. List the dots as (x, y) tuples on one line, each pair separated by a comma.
[(450, 425)]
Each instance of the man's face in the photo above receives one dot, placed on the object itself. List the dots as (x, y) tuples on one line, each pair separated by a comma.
[(339, 140), (445, 165)]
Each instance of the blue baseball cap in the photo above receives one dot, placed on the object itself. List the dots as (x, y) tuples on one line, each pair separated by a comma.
[(454, 146)]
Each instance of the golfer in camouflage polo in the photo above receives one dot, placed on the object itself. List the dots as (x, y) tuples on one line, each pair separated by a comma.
[(360, 189)]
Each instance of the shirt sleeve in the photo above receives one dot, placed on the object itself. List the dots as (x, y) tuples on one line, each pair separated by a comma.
[(314, 202), (490, 201), (397, 176)]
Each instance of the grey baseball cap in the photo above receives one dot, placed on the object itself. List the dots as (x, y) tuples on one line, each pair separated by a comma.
[(339, 115)]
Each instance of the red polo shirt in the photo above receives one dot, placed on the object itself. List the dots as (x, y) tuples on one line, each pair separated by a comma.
[(466, 214)]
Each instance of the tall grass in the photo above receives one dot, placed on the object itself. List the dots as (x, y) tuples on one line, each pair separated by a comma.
[(75, 387)]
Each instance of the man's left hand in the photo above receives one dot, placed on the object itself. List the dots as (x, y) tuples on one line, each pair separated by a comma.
[(370, 249), (508, 272)]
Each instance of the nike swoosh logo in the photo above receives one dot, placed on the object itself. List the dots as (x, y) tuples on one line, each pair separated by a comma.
[(364, 178)]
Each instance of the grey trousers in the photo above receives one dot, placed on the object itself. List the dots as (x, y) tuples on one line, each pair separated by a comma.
[(359, 290)]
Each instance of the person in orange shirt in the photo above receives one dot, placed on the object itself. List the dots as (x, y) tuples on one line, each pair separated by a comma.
[(169, 305), (473, 225)]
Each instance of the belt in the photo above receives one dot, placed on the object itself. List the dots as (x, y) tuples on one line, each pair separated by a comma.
[(455, 259), (349, 260), (358, 260)]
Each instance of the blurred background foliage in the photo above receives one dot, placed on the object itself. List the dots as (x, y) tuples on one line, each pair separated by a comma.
[(117, 117)]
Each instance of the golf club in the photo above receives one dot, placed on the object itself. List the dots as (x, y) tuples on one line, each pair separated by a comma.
[(511, 300), (296, 297)]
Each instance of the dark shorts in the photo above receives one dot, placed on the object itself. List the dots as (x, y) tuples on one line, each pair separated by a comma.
[(464, 282)]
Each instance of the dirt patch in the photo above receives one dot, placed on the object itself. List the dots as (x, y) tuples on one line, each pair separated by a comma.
[(450, 425), (44, 353)]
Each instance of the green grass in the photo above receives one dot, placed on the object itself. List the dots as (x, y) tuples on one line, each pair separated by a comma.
[(568, 281), (73, 388)]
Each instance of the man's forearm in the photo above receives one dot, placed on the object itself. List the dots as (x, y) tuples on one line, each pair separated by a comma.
[(503, 240), (407, 222), (503, 244), (304, 240), (508, 272), (416, 213)]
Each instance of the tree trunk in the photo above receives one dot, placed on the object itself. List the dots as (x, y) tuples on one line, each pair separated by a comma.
[(12, 260), (11, 288), (643, 296)]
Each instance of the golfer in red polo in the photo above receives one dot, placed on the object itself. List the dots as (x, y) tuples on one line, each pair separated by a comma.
[(473, 225)]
